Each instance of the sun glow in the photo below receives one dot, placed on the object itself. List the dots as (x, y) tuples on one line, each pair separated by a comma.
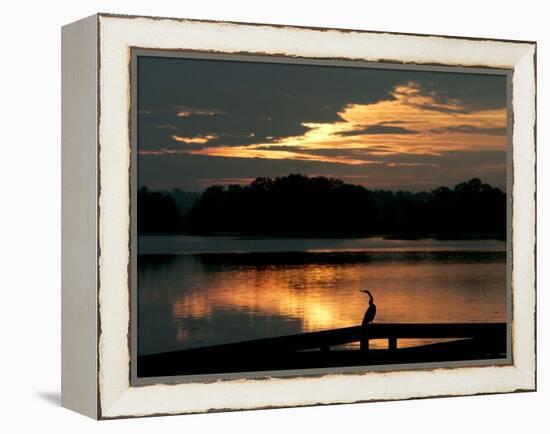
[(275, 298), (413, 121)]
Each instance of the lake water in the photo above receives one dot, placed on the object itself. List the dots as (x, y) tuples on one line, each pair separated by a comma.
[(200, 291)]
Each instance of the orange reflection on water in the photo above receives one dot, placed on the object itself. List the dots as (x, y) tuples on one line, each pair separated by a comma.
[(302, 293), (192, 306), (326, 296)]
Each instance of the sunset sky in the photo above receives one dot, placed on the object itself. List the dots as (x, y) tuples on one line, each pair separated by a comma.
[(205, 122)]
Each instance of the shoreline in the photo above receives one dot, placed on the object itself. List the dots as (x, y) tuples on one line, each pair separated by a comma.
[(186, 244)]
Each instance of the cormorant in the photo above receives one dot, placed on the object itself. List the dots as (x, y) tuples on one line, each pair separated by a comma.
[(371, 311)]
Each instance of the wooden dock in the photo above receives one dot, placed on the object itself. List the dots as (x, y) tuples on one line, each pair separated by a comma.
[(473, 341)]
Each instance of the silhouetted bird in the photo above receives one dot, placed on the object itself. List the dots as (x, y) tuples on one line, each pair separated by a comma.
[(371, 311)]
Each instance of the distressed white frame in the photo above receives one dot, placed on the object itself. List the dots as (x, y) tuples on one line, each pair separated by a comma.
[(115, 396)]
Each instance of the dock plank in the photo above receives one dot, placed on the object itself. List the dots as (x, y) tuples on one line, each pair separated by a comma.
[(328, 338), (481, 341)]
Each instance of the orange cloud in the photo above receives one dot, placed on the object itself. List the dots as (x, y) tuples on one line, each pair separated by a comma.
[(412, 122), (200, 140)]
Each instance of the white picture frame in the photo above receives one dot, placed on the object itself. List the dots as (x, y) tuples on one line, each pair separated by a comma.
[(96, 213)]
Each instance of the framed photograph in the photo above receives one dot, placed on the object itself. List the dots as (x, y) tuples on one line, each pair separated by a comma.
[(265, 216)]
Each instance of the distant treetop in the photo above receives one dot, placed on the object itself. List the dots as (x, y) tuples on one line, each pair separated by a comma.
[(302, 206)]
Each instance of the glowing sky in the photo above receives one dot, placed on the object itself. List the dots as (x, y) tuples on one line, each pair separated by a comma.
[(204, 122)]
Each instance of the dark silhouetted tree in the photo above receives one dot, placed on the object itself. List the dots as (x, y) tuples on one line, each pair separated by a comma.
[(157, 213), (302, 206)]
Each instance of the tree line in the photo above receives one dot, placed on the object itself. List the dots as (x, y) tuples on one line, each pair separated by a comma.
[(302, 206)]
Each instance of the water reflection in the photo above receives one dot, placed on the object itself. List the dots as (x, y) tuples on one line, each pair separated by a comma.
[(196, 300)]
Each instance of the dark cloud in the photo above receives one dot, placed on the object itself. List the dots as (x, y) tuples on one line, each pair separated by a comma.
[(471, 129), (397, 122), (441, 108), (383, 128), (474, 92), (231, 129), (270, 101)]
